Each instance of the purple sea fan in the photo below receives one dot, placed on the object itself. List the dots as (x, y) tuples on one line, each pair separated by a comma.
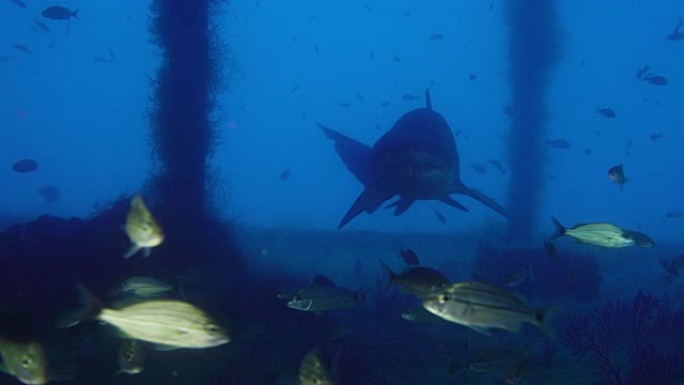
[(641, 343)]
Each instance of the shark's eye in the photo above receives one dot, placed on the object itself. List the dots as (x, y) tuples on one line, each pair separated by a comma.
[(443, 297), (296, 297)]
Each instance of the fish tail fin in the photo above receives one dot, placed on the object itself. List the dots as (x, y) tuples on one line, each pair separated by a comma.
[(88, 307), (391, 274), (560, 230), (541, 318), (133, 250), (74, 14), (360, 295)]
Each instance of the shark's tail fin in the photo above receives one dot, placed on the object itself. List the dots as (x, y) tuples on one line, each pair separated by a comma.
[(484, 199)]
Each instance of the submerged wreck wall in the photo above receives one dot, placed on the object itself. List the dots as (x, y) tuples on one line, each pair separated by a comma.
[(533, 52)]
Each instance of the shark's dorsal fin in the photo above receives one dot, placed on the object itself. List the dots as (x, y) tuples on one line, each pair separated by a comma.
[(428, 101)]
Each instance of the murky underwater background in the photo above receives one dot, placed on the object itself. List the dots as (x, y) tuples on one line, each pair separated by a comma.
[(212, 111)]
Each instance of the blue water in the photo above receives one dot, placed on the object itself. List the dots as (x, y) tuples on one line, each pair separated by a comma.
[(81, 104)]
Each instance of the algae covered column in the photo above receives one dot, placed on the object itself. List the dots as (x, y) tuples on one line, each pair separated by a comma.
[(533, 51), (182, 133)]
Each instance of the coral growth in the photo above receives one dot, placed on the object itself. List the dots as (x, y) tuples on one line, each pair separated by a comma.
[(641, 343)]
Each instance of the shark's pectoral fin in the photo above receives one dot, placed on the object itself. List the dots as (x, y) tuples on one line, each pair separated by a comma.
[(355, 155), (369, 200), (453, 203), (372, 209), (400, 206), (484, 199)]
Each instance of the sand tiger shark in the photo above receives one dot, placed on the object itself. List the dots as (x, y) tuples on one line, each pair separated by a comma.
[(416, 159)]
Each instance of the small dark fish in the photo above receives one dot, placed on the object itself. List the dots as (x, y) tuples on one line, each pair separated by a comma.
[(642, 71), (396, 59), (588, 151), (440, 217), (421, 281), (629, 143), (436, 37), (111, 53), (676, 35), (472, 77), (372, 54), (51, 194), (23, 48), (19, 3), (359, 97), (674, 215), (409, 97), (345, 105), (551, 250), (4, 59), (294, 89), (616, 174), (57, 12), (284, 175), (320, 279), (25, 165), (656, 80), (368, 7), (560, 144), (655, 137), (41, 25), (508, 110), (606, 113), (407, 13), (385, 104), (478, 168), (497, 165), (457, 133), (410, 257)]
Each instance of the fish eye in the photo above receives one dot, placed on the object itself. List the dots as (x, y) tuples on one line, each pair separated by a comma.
[(443, 298), (296, 297), (26, 361)]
